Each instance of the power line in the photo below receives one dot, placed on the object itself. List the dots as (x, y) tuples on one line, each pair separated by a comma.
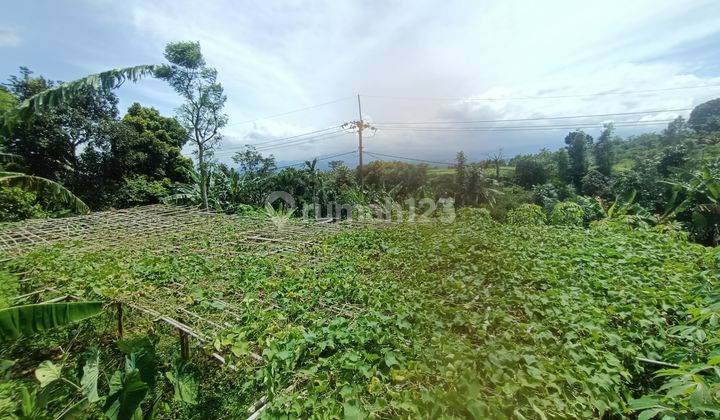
[(293, 111), (523, 128), (582, 95), (562, 117), (296, 142), (318, 158), (280, 139), (305, 141), (408, 158)]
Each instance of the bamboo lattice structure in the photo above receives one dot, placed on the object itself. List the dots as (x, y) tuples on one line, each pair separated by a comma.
[(178, 231)]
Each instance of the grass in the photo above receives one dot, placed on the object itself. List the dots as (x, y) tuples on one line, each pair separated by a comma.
[(471, 319)]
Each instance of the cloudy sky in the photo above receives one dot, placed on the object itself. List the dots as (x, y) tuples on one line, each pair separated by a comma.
[(424, 69)]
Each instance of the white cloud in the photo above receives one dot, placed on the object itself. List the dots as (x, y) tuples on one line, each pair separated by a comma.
[(273, 57), (9, 37)]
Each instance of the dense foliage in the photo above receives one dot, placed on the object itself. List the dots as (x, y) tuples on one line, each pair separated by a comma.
[(470, 319)]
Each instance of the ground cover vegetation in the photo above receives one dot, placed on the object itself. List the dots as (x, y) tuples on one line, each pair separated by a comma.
[(575, 283), (471, 319)]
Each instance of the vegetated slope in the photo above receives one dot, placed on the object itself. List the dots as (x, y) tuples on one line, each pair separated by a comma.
[(470, 319)]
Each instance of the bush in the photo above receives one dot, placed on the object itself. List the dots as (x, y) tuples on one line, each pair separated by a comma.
[(595, 184), (545, 196), (473, 213), (526, 215), (529, 172), (567, 213), (592, 210), (511, 198), (18, 204), (139, 190)]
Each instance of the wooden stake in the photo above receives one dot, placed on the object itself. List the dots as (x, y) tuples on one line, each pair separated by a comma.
[(119, 320), (184, 345)]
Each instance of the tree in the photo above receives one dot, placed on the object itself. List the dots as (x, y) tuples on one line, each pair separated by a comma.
[(402, 178), (50, 190), (676, 131), (530, 171), (342, 177), (460, 177), (253, 163), (563, 166), (201, 114), (603, 151), (705, 118), (595, 184), (43, 98), (577, 143), (497, 159), (49, 141), (7, 100)]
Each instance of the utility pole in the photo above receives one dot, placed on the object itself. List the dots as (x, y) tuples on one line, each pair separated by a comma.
[(360, 125), (360, 147)]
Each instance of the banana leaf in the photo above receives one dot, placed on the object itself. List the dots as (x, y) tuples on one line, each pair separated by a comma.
[(29, 319)]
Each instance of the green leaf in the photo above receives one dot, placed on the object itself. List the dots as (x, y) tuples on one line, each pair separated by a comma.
[(45, 188), (29, 319), (127, 391), (390, 359), (89, 380), (48, 372), (28, 402), (5, 366), (353, 412), (141, 355), (184, 384), (75, 411), (648, 414)]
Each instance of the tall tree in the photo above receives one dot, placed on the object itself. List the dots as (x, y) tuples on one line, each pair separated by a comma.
[(603, 151), (253, 163), (201, 114), (577, 144), (49, 142), (530, 171), (563, 166), (497, 159), (705, 118)]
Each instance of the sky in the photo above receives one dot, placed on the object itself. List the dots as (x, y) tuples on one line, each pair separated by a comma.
[(424, 70)]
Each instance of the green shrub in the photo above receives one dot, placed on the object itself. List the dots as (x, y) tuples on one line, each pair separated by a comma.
[(473, 213), (8, 289), (18, 204), (567, 213), (138, 190), (592, 210), (526, 215), (510, 198)]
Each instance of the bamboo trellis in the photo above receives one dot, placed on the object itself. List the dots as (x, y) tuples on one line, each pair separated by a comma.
[(164, 228)]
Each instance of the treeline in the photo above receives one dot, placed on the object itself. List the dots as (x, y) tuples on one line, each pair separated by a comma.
[(661, 177), (109, 160), (105, 159)]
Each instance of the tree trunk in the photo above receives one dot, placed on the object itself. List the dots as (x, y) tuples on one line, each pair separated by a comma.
[(203, 176)]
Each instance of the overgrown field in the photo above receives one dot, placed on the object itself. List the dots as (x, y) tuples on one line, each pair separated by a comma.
[(470, 319)]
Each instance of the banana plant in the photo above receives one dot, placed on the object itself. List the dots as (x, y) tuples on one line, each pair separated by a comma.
[(47, 100), (44, 187), (700, 198), (57, 95), (17, 321)]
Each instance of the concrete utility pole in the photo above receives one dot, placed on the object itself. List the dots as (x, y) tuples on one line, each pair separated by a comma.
[(360, 149), (359, 125)]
